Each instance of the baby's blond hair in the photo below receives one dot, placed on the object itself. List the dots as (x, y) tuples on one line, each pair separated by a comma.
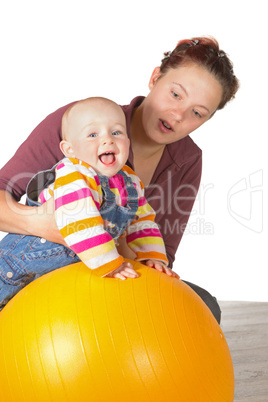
[(72, 109)]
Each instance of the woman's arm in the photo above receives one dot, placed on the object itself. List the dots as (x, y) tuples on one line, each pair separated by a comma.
[(176, 209), (22, 219), (174, 190)]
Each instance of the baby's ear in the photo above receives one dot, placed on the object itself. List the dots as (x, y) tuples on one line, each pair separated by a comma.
[(66, 148)]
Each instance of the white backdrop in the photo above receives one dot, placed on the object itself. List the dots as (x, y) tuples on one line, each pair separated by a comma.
[(57, 51)]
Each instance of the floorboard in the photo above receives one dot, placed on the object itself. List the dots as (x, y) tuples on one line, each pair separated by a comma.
[(245, 326)]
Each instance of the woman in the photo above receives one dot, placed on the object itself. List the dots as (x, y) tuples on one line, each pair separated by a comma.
[(194, 81)]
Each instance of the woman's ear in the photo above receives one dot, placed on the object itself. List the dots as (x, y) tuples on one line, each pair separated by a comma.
[(154, 77), (67, 149)]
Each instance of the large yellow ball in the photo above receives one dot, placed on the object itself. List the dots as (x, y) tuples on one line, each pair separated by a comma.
[(73, 336)]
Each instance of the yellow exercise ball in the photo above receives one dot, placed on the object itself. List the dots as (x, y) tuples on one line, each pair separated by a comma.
[(73, 336)]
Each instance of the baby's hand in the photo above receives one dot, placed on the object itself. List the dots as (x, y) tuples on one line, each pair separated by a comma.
[(160, 266), (124, 271)]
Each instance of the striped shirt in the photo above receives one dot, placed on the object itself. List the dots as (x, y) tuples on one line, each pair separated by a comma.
[(78, 197)]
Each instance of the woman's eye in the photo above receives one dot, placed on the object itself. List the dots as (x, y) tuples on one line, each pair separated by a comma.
[(197, 113), (175, 95)]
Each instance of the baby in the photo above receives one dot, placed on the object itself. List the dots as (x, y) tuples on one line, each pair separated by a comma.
[(97, 200)]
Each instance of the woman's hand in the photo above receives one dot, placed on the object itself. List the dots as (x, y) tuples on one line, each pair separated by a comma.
[(45, 223), (161, 267), (33, 221)]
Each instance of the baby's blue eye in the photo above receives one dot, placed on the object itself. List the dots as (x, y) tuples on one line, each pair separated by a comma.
[(92, 135), (115, 132)]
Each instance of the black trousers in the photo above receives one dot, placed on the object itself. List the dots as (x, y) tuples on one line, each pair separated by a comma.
[(208, 299)]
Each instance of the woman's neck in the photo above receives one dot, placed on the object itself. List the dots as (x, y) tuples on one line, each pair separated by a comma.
[(141, 144), (146, 153)]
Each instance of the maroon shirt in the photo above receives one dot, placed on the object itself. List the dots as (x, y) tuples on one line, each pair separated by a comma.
[(171, 192)]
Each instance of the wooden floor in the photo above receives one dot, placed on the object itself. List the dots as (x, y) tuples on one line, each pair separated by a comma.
[(245, 326)]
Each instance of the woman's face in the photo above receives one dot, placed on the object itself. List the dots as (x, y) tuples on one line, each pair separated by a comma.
[(179, 102)]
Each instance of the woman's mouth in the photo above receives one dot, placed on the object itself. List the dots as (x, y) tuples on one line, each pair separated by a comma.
[(107, 158), (164, 126)]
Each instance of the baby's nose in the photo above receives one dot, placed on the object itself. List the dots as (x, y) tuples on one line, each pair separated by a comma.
[(107, 140)]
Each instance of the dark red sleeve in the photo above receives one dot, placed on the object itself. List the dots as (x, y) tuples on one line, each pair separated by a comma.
[(40, 151), (174, 204)]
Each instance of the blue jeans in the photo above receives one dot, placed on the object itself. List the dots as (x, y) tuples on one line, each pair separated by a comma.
[(25, 258)]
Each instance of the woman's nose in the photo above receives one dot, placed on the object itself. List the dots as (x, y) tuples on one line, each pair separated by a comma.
[(179, 114)]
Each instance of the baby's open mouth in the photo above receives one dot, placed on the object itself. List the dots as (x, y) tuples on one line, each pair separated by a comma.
[(107, 158)]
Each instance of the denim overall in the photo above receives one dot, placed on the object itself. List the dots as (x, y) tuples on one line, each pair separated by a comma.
[(118, 217), (25, 258)]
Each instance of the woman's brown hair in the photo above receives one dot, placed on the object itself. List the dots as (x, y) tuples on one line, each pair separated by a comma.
[(205, 52)]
